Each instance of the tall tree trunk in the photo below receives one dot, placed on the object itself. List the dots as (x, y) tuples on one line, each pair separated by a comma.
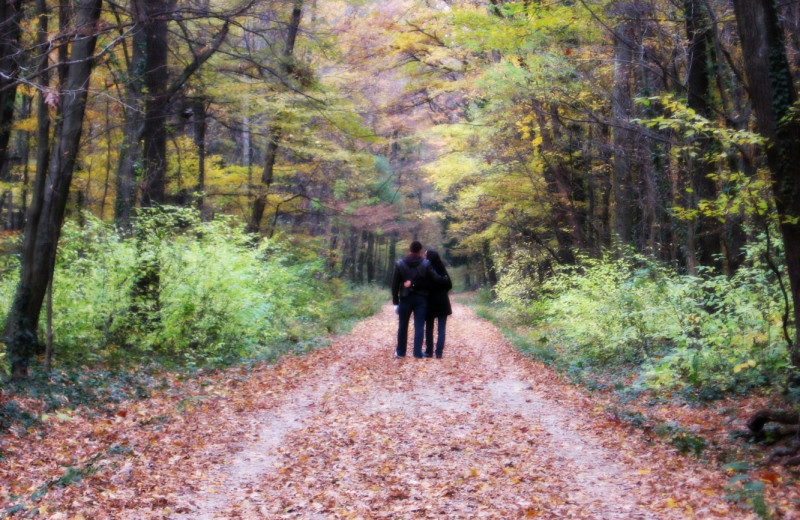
[(10, 18), (361, 263), (371, 257), (5, 195), (46, 213), (352, 253), (103, 197), (200, 124), (622, 106), (260, 202), (489, 271), (557, 177), (700, 64), (772, 94), (391, 258), (43, 112), (275, 131), (156, 78), (246, 145), (130, 154)]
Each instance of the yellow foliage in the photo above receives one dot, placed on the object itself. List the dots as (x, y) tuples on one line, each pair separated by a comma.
[(26, 125)]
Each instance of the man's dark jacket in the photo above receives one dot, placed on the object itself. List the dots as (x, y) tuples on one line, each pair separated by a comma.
[(419, 271)]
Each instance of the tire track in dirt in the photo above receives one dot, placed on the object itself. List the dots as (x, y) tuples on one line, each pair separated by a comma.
[(482, 433)]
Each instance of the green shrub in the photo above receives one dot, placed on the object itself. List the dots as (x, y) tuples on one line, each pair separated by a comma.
[(184, 291), (705, 335)]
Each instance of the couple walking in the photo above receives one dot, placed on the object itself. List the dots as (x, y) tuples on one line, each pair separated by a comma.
[(419, 287)]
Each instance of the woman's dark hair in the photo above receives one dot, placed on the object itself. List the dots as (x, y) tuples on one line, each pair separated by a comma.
[(436, 261)]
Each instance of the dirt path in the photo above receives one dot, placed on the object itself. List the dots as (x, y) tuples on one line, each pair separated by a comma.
[(482, 433)]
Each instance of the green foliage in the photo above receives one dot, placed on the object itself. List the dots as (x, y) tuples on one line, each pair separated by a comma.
[(212, 296), (94, 389), (12, 414), (684, 441), (740, 193), (742, 488), (705, 336)]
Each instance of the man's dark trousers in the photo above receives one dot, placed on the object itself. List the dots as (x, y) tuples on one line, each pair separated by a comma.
[(417, 304)]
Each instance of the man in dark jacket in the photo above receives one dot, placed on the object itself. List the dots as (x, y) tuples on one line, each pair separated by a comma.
[(410, 284)]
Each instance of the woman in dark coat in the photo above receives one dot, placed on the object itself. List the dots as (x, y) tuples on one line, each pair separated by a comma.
[(438, 306)]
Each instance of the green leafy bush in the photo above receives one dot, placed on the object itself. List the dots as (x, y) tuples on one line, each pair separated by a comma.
[(707, 335), (186, 291)]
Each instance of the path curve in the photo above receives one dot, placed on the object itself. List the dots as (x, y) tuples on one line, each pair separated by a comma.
[(481, 433)]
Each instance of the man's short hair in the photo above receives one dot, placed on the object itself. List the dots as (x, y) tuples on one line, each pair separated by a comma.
[(415, 247)]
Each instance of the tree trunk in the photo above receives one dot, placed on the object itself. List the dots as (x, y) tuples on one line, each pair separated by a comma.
[(708, 230), (146, 118), (622, 106), (391, 258), (200, 124), (108, 160), (562, 201), (10, 18), (260, 202), (361, 261), (130, 149), (353, 255), (275, 131), (489, 271), (23, 151), (772, 94), (156, 77), (371, 257), (46, 213)]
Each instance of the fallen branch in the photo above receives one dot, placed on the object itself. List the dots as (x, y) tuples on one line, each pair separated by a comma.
[(762, 417)]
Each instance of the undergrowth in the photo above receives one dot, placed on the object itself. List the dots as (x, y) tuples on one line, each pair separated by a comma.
[(185, 292), (632, 319), (634, 327), (175, 293)]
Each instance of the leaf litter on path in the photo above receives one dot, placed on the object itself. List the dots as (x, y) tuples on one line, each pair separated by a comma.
[(350, 432)]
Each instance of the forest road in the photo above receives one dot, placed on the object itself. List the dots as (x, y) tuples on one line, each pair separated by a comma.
[(482, 433)]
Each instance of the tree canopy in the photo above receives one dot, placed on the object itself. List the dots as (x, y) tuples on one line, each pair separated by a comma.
[(521, 136)]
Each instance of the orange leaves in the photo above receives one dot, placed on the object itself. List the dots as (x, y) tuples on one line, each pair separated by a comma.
[(769, 477), (349, 432)]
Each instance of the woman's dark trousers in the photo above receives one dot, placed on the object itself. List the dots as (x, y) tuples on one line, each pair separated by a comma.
[(442, 328)]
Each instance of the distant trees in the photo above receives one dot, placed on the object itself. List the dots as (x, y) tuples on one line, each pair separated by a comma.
[(519, 134), (152, 102), (637, 124), (621, 126)]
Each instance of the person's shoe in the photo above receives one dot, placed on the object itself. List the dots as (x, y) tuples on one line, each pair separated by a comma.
[(398, 356), (438, 356), (429, 354), (419, 357)]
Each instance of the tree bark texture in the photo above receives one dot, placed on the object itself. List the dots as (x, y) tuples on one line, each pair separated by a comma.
[(46, 213), (10, 18), (700, 64), (622, 107), (275, 131), (772, 95), (156, 78)]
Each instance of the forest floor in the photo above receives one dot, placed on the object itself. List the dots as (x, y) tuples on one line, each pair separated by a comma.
[(350, 432)]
